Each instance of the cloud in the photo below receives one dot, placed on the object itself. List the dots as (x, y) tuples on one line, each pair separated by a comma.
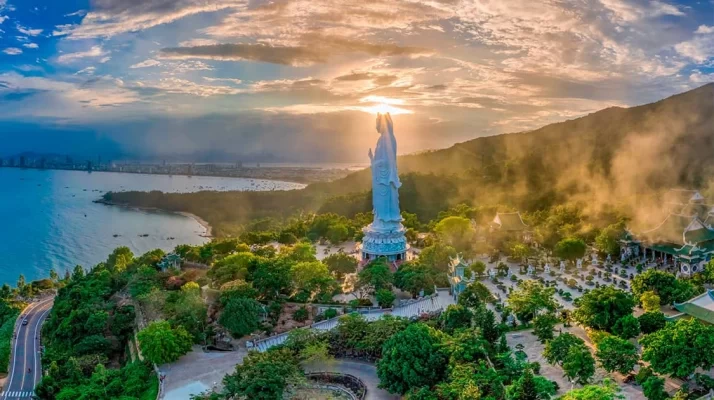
[(146, 64), (705, 29), (109, 18), (86, 71), (12, 51), (183, 86), (319, 52), (3, 18), (28, 31), (95, 51), (31, 45)]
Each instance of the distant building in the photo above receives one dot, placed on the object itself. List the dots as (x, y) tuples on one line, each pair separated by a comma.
[(171, 260), (700, 307), (510, 226), (684, 239), (459, 278)]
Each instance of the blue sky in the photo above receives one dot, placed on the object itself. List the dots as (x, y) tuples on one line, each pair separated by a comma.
[(301, 79)]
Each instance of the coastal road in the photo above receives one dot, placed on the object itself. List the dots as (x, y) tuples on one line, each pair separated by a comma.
[(26, 353)]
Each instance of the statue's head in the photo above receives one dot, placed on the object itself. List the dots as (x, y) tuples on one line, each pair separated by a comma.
[(384, 123)]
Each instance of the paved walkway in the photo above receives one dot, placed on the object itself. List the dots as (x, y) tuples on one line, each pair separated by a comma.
[(437, 302)]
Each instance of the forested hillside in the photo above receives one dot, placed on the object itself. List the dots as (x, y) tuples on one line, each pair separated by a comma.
[(615, 158)]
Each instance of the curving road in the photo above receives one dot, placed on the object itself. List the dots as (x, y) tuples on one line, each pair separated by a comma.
[(26, 353)]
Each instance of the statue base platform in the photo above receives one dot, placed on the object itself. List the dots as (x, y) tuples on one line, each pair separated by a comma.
[(388, 242)]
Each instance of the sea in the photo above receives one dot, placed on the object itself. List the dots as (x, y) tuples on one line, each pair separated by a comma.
[(48, 218)]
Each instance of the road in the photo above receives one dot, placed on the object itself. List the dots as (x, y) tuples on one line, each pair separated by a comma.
[(26, 353)]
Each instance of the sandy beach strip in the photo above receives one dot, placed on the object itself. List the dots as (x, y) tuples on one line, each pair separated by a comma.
[(203, 222)]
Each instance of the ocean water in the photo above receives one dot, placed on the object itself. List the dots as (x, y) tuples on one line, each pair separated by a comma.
[(48, 218)]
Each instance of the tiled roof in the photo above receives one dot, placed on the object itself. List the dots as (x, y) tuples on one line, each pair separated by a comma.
[(700, 307), (509, 222)]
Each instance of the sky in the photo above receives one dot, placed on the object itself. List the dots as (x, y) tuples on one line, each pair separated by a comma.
[(302, 80)]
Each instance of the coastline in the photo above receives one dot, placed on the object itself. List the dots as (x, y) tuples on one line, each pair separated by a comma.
[(201, 221)]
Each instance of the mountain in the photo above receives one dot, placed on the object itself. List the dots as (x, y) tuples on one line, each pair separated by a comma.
[(615, 158)]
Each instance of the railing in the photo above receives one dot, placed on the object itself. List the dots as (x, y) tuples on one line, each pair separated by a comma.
[(345, 383)]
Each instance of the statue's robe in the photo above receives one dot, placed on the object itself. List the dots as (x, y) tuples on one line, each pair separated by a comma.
[(385, 179)]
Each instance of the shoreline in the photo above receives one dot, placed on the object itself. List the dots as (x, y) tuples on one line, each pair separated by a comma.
[(209, 229), (201, 221)]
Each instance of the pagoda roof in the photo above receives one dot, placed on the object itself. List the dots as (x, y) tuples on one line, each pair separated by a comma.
[(671, 230), (682, 196), (696, 209), (700, 307), (509, 221)]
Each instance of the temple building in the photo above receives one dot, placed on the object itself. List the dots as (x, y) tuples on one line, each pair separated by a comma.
[(510, 226), (459, 279), (684, 239), (700, 307)]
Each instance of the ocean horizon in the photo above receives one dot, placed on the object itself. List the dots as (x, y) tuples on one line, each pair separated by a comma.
[(50, 219)]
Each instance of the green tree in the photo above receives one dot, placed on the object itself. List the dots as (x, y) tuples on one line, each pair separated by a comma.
[(602, 307), (543, 326), (474, 295), (608, 390), (377, 332), (579, 364), (411, 359), (530, 387), (120, 259), (652, 321), (665, 285), (53, 275), (337, 233), (520, 251), (413, 277), (375, 276), (530, 298), (456, 232), (556, 350), (680, 347), (570, 248), (455, 317), (241, 316), (437, 256), (478, 267), (627, 327), (162, 344), (650, 301), (608, 240), (263, 376), (653, 388), (340, 264), (385, 298), (235, 266), (310, 279), (617, 354)]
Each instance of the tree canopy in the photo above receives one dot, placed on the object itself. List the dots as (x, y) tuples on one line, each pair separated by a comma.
[(161, 344), (602, 307)]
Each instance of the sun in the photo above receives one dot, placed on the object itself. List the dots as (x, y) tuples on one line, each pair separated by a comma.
[(384, 105)]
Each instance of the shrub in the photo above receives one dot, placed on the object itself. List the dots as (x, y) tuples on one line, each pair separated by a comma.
[(330, 313), (301, 314)]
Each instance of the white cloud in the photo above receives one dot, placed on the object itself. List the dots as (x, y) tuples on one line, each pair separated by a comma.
[(95, 51), (230, 80), (118, 16), (705, 29), (3, 18), (698, 77), (78, 13), (31, 45), (28, 31), (87, 71), (184, 86), (146, 63), (12, 51), (700, 48)]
